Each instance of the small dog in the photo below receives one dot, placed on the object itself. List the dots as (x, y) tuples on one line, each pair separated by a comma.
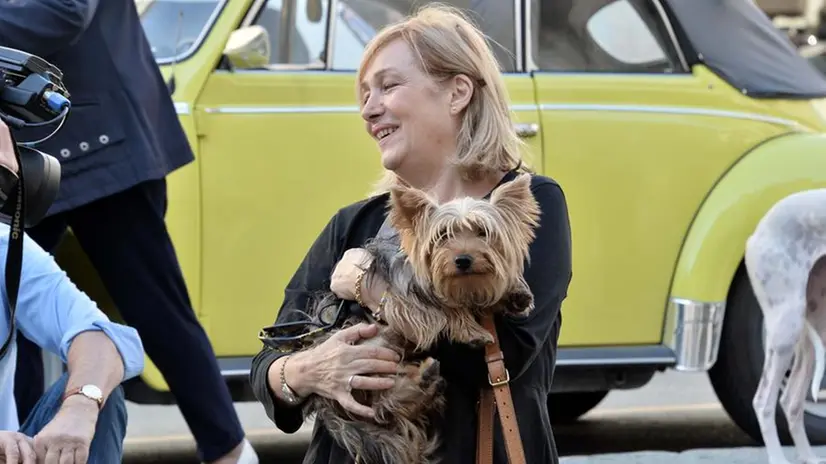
[(455, 262), (786, 264)]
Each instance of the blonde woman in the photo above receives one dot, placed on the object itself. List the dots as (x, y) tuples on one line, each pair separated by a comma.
[(433, 80)]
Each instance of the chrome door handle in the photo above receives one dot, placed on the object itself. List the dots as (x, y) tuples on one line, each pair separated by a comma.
[(526, 129)]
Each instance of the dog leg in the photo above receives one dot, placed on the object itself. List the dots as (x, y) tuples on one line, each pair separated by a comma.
[(807, 372), (519, 300), (463, 328), (777, 362), (794, 398)]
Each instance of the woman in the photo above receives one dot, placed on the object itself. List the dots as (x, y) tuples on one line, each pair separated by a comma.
[(433, 98)]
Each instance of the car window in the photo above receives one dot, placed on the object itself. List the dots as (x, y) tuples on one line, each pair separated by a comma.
[(601, 36), (357, 21), (297, 31), (174, 27)]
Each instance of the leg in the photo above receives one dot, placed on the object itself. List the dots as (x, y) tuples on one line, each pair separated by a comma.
[(781, 296), (800, 379), (794, 397), (107, 445), (778, 358), (126, 240), (29, 376)]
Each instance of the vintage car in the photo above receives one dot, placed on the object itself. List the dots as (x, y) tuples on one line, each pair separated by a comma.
[(672, 126)]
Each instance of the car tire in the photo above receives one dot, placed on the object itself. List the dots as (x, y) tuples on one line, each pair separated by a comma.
[(565, 408), (735, 375)]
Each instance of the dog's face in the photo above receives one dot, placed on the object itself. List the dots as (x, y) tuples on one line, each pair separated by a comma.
[(471, 250)]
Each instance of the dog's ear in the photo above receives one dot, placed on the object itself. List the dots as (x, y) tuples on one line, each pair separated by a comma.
[(516, 202), (408, 206)]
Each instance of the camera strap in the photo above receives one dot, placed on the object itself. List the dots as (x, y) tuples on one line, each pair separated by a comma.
[(14, 255)]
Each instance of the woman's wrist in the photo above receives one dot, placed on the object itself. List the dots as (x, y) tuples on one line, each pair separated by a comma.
[(372, 290), (296, 374), (290, 369)]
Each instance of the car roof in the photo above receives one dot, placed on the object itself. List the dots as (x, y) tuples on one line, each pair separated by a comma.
[(739, 42)]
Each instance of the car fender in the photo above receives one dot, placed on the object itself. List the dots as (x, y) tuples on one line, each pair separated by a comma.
[(715, 242), (714, 245)]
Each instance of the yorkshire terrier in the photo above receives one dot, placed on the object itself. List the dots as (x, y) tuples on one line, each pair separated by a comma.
[(456, 261)]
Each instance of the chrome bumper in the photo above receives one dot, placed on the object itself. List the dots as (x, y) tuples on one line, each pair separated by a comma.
[(693, 330)]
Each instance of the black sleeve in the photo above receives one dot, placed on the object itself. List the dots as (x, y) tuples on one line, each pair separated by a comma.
[(312, 276), (548, 275), (41, 27)]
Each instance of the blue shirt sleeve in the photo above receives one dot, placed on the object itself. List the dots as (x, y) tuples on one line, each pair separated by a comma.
[(51, 310)]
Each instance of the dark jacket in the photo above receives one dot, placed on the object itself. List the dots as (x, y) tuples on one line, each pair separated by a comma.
[(529, 344), (122, 128)]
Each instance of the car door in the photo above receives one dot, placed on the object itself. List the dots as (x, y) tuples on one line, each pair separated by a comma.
[(636, 140), (284, 147)]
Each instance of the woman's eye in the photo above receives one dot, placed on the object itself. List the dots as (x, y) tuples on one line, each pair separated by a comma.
[(389, 86)]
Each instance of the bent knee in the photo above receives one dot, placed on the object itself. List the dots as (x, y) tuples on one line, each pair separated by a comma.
[(113, 413)]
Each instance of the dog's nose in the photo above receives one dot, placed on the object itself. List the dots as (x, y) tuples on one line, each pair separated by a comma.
[(463, 262)]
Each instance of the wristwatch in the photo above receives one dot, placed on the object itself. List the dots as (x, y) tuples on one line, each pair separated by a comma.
[(90, 391)]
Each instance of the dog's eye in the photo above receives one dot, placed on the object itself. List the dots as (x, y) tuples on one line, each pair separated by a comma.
[(482, 233), (442, 235)]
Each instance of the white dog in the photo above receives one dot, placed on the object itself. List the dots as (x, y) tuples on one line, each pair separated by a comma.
[(786, 264)]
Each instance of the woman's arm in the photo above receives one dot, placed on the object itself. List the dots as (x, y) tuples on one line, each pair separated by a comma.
[(312, 276), (332, 367), (548, 275)]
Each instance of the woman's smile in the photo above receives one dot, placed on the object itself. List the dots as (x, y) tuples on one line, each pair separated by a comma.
[(387, 136)]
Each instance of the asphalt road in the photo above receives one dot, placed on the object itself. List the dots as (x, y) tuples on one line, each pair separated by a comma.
[(675, 412)]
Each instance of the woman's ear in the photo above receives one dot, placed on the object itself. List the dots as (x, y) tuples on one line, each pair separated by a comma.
[(461, 93)]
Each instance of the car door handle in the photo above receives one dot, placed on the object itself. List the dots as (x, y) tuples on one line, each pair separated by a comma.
[(526, 129)]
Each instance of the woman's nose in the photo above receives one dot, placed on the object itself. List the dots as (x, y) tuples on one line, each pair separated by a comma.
[(372, 109)]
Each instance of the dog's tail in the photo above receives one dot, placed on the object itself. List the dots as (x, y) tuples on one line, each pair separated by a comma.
[(820, 359)]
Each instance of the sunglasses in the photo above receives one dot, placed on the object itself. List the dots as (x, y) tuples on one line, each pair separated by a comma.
[(287, 337)]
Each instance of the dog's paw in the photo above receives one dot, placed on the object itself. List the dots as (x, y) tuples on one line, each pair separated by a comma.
[(471, 334), (429, 370), (519, 303), (481, 340), (814, 460)]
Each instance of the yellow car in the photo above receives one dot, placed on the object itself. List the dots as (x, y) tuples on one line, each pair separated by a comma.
[(671, 125)]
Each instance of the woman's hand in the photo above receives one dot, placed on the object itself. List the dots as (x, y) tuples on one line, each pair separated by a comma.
[(326, 369), (16, 448), (345, 275)]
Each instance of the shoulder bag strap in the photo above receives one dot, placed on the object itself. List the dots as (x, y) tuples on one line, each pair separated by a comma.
[(498, 396)]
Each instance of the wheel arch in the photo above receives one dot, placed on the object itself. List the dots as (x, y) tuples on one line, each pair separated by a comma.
[(712, 252)]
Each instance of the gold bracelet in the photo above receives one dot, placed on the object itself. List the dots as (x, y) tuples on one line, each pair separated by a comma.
[(359, 279), (382, 303)]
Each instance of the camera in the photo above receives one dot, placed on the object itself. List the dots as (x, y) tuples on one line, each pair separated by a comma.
[(32, 94)]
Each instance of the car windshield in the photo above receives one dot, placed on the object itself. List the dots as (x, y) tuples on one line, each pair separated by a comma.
[(173, 27)]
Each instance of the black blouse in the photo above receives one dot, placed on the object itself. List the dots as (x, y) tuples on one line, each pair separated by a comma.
[(529, 344)]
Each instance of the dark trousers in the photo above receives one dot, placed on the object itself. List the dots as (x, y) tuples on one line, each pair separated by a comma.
[(107, 445), (126, 240)]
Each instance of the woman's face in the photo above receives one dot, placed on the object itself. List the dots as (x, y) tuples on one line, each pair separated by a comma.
[(413, 119)]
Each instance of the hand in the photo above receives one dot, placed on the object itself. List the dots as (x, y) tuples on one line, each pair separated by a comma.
[(345, 274), (7, 158), (16, 448), (66, 439), (327, 368)]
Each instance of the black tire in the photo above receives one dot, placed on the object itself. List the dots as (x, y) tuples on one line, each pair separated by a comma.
[(565, 408), (739, 365)]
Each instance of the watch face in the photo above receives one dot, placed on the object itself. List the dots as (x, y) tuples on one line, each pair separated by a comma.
[(92, 392)]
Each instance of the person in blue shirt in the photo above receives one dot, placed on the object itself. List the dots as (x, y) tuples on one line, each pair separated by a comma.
[(82, 417)]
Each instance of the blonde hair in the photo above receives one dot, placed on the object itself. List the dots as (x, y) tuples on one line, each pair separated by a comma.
[(447, 44)]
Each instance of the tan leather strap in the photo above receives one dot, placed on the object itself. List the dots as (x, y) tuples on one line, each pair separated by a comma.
[(484, 436), (498, 378)]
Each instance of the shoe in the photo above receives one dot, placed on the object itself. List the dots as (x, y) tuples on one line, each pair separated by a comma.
[(248, 454)]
